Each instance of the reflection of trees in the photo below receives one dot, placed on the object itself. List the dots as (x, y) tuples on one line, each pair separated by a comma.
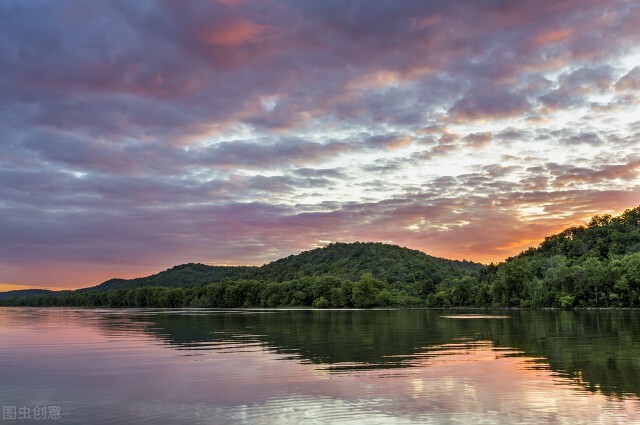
[(599, 349)]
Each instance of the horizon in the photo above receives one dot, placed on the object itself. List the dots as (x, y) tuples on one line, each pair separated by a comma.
[(141, 135)]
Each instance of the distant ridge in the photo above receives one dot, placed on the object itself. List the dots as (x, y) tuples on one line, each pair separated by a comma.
[(349, 261), (25, 293), (183, 275)]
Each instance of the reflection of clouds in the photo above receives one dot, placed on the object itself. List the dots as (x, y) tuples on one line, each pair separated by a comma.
[(476, 385), (103, 369)]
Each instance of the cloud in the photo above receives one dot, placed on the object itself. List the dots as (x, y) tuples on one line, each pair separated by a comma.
[(587, 138), (551, 36), (329, 173), (388, 141), (567, 175), (293, 151), (478, 140), (630, 81), (234, 33), (489, 103), (574, 87), (136, 135)]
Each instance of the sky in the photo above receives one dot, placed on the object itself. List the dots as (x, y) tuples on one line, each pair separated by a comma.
[(137, 135)]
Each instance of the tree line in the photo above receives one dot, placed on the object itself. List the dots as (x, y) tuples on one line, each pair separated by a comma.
[(315, 291)]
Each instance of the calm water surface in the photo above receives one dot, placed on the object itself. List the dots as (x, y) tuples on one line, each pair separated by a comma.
[(139, 366)]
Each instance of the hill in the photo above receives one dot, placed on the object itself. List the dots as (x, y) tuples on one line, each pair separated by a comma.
[(603, 237), (24, 293), (184, 275), (402, 268), (405, 273), (595, 265)]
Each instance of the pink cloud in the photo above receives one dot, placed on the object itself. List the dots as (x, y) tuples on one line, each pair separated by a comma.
[(233, 34), (175, 131)]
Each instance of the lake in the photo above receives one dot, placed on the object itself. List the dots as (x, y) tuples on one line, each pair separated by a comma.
[(156, 366)]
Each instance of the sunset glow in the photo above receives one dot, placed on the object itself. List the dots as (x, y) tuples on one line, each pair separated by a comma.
[(140, 135)]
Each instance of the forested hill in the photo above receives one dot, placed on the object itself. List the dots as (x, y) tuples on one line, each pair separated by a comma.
[(350, 261), (603, 237), (24, 293), (595, 265), (397, 266), (184, 275), (338, 275)]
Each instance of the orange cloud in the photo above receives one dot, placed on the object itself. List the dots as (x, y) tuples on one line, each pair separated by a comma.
[(421, 23), (229, 3), (552, 36), (240, 32), (375, 80), (9, 287)]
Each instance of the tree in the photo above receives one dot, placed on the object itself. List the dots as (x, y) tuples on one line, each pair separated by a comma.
[(365, 290)]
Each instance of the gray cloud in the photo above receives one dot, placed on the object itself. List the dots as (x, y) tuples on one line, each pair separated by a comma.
[(141, 134)]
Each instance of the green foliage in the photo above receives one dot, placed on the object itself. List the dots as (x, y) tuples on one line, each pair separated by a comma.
[(24, 293), (404, 269), (597, 265), (317, 291), (184, 275), (365, 291), (566, 300), (320, 303)]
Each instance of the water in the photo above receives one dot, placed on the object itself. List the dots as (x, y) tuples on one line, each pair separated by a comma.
[(138, 366)]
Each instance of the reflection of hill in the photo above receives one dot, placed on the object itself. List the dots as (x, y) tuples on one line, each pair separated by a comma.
[(600, 349)]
